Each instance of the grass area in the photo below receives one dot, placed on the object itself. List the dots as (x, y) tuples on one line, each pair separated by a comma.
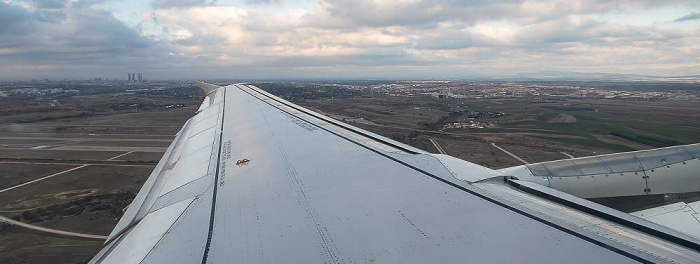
[(124, 143), (406, 112), (152, 122), (57, 154), (94, 214), (4, 141), (69, 136), (546, 116), (12, 174), (91, 180), (142, 156), (589, 124), (22, 246)]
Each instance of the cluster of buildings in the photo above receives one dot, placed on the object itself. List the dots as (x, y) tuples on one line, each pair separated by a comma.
[(132, 77), (483, 90), (34, 92)]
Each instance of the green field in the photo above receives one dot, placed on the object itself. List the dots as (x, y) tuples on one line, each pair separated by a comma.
[(124, 143), (91, 180), (23, 141), (589, 124), (12, 174), (627, 124), (18, 245)]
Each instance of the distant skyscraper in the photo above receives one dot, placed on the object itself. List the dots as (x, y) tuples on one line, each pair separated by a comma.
[(128, 75), (140, 77)]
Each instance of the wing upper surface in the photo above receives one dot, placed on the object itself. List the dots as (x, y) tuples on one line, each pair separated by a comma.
[(284, 184)]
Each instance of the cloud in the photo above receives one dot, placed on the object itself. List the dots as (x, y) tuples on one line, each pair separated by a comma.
[(182, 3), (49, 4), (86, 37), (265, 2), (15, 21), (261, 39), (691, 16), (451, 39)]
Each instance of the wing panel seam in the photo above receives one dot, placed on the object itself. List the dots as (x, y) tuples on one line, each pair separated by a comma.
[(216, 180)]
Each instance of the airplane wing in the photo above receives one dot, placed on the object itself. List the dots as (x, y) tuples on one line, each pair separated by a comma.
[(253, 178), (680, 216), (645, 172)]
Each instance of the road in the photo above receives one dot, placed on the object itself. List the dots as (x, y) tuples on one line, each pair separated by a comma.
[(511, 154), (437, 146), (52, 231), (42, 178)]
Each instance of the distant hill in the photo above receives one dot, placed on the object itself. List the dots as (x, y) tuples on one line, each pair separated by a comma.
[(596, 76)]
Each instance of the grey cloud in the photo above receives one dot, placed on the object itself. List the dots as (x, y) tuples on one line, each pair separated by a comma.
[(371, 58), (51, 15), (429, 38), (14, 21), (265, 2), (450, 39), (49, 4), (557, 31), (691, 16), (341, 14), (182, 3), (89, 37)]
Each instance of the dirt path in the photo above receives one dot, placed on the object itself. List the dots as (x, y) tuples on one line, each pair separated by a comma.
[(52, 231), (511, 154), (563, 119), (120, 155), (568, 155), (437, 146)]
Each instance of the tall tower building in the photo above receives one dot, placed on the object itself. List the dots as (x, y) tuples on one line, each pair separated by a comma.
[(128, 75)]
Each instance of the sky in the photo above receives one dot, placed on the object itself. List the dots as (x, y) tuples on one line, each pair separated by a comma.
[(329, 39)]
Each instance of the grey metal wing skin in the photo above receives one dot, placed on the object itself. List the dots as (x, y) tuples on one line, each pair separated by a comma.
[(670, 171), (252, 178), (647, 172)]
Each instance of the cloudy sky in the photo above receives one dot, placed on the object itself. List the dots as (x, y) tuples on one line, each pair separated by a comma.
[(364, 39)]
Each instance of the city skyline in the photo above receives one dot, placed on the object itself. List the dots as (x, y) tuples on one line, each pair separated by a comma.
[(200, 39)]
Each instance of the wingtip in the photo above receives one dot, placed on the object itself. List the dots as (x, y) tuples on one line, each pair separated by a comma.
[(207, 87)]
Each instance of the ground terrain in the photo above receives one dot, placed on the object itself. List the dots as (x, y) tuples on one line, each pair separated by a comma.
[(91, 151)]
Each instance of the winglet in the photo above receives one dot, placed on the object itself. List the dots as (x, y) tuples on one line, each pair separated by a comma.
[(207, 87)]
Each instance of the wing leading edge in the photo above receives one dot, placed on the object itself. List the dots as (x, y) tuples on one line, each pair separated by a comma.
[(254, 178)]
